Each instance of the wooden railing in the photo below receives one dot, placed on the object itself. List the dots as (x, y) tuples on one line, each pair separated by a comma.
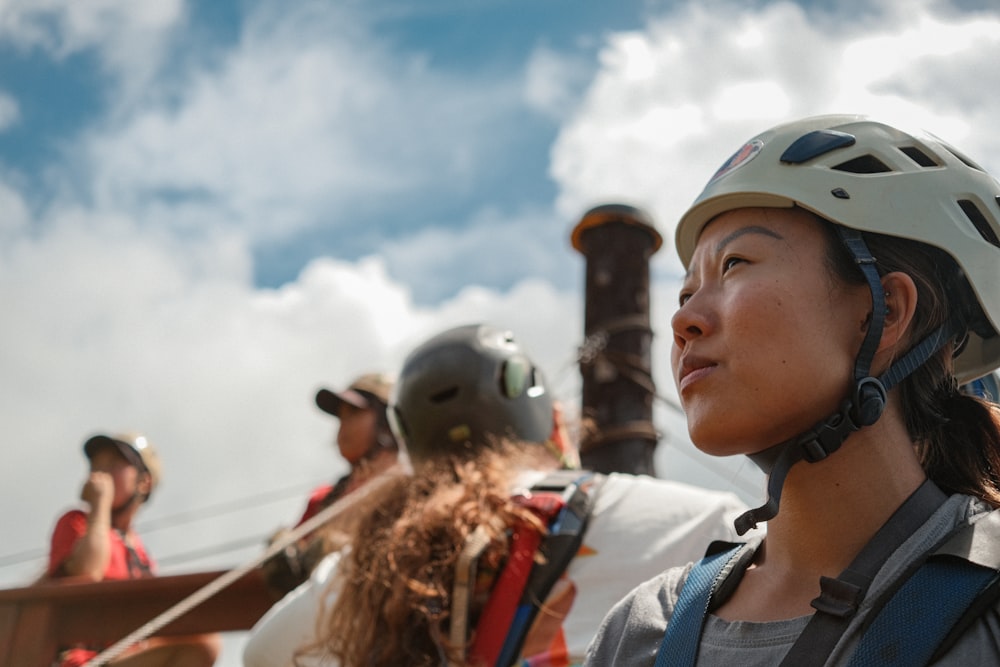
[(37, 619)]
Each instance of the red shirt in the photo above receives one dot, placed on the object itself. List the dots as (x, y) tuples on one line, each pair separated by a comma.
[(318, 499), (72, 525)]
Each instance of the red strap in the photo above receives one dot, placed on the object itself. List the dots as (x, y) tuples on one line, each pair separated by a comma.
[(498, 614)]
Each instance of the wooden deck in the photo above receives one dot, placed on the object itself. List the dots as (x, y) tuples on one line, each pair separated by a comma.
[(35, 620)]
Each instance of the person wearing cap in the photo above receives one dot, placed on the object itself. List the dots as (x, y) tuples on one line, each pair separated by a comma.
[(438, 560), (365, 440), (99, 543)]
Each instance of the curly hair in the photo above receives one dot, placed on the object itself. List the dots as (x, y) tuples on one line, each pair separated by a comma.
[(394, 582)]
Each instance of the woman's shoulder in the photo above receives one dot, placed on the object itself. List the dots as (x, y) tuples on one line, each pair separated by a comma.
[(633, 628), (75, 518)]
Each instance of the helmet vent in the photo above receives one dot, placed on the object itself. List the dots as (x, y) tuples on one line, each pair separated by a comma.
[(979, 221), (865, 164), (919, 156), (445, 395), (966, 161)]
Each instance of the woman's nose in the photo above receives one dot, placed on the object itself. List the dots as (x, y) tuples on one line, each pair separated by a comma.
[(690, 321)]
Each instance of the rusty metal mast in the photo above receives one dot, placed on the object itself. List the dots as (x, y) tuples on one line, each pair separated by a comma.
[(615, 362)]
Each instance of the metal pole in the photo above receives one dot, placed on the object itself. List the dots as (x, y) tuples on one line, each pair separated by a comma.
[(618, 389)]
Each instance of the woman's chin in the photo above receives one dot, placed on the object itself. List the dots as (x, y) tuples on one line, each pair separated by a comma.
[(721, 447)]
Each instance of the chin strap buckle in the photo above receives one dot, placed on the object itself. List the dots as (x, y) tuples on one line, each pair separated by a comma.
[(862, 409), (826, 437)]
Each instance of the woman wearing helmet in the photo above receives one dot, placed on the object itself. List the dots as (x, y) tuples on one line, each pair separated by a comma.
[(438, 559), (99, 543), (841, 285)]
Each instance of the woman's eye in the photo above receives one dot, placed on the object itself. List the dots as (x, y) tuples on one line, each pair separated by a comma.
[(683, 298), (730, 262)]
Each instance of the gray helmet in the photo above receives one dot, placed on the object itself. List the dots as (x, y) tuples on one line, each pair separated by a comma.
[(465, 387)]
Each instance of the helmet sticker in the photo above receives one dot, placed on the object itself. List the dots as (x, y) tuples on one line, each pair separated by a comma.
[(747, 152)]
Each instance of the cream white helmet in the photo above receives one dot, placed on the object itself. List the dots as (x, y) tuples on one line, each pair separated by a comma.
[(872, 177)]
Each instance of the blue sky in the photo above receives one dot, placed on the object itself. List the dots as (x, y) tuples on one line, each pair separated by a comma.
[(64, 91), (212, 209)]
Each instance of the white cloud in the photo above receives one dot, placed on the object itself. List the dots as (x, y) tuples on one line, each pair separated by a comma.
[(494, 248), (554, 81), (133, 306), (673, 102), (308, 118), (10, 111), (127, 37), (15, 218)]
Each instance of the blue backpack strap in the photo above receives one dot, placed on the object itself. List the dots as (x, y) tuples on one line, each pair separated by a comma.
[(919, 616), (680, 642), (934, 606)]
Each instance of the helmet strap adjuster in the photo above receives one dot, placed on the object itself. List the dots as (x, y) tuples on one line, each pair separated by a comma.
[(868, 401)]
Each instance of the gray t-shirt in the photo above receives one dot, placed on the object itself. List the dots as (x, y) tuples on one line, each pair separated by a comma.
[(633, 630)]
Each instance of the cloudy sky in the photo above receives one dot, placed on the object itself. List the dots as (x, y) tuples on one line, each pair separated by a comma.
[(211, 209)]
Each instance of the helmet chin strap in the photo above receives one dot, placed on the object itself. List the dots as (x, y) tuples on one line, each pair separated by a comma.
[(862, 408)]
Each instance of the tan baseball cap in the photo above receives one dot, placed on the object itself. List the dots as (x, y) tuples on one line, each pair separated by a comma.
[(135, 447), (359, 393)]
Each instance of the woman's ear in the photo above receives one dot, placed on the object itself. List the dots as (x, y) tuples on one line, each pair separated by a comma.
[(901, 304)]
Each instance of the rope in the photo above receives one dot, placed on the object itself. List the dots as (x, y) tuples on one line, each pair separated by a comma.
[(211, 588)]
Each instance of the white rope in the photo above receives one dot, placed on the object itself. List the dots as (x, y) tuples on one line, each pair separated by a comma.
[(211, 588)]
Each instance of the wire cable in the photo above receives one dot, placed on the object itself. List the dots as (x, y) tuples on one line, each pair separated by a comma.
[(259, 541), (180, 518)]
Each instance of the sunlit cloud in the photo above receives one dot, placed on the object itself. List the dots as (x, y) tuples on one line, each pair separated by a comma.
[(671, 103)]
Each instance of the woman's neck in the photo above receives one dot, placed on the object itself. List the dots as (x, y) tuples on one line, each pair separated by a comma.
[(121, 519), (831, 509)]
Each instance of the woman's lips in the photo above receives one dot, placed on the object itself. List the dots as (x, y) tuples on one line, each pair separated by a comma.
[(693, 370)]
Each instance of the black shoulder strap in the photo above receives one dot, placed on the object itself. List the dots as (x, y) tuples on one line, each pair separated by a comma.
[(840, 598), (561, 543)]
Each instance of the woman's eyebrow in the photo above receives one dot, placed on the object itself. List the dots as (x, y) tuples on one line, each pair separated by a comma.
[(750, 229)]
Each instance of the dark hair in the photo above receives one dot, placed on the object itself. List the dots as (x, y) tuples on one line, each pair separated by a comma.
[(957, 436)]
